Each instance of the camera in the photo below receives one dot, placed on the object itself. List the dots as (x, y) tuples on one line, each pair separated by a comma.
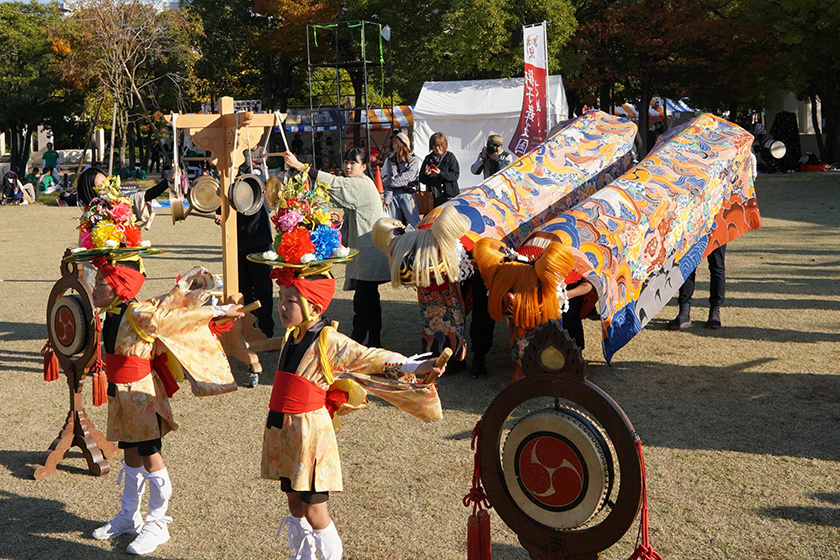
[(492, 149)]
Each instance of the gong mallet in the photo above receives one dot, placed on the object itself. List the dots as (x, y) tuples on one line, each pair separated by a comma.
[(441, 361), (245, 309)]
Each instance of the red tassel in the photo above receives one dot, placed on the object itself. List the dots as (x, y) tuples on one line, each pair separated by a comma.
[(50, 362), (478, 524), (97, 373), (643, 549), (100, 383)]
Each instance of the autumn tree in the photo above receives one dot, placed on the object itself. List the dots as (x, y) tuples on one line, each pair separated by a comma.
[(29, 88), (132, 53)]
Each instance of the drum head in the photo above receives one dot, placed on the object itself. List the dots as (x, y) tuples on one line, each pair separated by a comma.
[(776, 148), (558, 467), (246, 194), (69, 325), (204, 194)]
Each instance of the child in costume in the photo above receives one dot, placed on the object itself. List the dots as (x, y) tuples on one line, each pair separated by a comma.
[(136, 337), (322, 374), (146, 343)]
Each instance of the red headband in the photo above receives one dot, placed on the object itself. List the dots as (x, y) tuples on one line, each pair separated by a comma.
[(314, 291), (126, 282)]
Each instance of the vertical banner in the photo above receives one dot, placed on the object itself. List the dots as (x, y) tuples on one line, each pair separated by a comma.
[(533, 120)]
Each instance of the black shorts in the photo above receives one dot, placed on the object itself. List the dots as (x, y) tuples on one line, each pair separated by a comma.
[(144, 448), (308, 497)]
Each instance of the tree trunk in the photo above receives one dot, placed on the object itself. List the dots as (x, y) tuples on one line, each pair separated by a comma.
[(829, 113), (132, 155), (815, 122), (606, 101), (643, 109), (141, 153)]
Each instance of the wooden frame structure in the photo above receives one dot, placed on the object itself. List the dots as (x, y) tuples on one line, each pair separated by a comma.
[(225, 135)]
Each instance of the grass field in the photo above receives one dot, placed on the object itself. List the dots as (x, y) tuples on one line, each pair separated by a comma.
[(741, 426)]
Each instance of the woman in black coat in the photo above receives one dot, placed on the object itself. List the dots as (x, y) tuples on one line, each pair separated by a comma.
[(440, 170)]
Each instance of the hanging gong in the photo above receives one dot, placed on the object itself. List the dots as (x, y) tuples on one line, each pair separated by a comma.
[(246, 194), (205, 194)]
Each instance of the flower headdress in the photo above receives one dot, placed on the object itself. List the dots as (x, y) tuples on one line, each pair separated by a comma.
[(107, 226), (307, 233)]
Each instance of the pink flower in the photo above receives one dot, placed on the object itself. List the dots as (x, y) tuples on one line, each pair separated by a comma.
[(121, 212), (85, 239), (289, 220)]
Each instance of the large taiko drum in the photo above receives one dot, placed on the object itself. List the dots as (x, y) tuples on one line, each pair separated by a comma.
[(558, 467), (69, 325)]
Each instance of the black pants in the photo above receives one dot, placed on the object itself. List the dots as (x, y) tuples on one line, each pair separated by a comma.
[(367, 313), (572, 321), (482, 325), (717, 281), (255, 285)]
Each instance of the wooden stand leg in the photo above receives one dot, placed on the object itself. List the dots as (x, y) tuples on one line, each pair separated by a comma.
[(79, 431)]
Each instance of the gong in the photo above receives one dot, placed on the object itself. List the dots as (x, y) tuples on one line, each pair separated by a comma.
[(558, 467), (567, 478), (246, 194), (205, 194), (69, 325)]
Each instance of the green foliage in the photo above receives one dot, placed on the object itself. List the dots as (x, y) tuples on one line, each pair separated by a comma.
[(31, 93)]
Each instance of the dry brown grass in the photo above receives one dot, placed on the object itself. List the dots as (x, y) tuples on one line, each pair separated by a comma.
[(741, 426)]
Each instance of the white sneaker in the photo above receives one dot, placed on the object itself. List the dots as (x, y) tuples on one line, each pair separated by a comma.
[(154, 533), (120, 525)]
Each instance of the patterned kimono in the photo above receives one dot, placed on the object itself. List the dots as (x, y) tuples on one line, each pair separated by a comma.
[(177, 323), (305, 451)]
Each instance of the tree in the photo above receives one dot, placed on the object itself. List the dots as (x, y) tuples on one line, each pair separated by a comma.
[(29, 88), (808, 35), (131, 52)]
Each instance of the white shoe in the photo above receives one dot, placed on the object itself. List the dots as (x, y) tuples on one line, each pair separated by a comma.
[(154, 533), (120, 525)]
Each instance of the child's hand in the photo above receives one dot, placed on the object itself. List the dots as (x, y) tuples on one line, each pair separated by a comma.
[(428, 367), (234, 311)]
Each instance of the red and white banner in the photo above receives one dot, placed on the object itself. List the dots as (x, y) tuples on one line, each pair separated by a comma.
[(533, 120)]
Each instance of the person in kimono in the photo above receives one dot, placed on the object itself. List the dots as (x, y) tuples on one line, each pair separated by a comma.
[(321, 375), (140, 339)]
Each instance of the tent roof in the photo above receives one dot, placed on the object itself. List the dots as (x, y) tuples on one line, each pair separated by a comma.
[(476, 99)]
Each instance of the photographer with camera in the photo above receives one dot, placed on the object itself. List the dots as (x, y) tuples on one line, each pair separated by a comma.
[(492, 158), (400, 180)]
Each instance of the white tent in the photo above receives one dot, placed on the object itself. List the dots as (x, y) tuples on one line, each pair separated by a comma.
[(467, 112)]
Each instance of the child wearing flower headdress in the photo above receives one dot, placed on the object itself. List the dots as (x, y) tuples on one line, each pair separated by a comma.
[(145, 345), (321, 375)]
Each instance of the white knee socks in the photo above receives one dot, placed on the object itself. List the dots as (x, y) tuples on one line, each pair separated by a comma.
[(134, 482), (160, 490), (299, 529), (328, 543)]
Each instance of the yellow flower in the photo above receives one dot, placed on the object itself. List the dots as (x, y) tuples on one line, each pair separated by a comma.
[(104, 231), (321, 217)]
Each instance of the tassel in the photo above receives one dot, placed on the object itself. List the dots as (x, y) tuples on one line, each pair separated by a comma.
[(478, 524), (50, 362), (643, 549), (97, 372), (100, 382)]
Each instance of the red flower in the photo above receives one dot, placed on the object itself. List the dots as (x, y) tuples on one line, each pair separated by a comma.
[(133, 237), (294, 244)]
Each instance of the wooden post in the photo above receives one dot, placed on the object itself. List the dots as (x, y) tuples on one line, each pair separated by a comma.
[(225, 136)]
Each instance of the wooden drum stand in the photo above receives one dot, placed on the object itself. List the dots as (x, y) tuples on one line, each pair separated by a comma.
[(71, 328)]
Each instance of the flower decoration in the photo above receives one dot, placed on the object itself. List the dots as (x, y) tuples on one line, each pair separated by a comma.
[(306, 231), (108, 221), (295, 244), (325, 239)]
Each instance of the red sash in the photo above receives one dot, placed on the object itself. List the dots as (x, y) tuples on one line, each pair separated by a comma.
[(293, 394), (131, 369)]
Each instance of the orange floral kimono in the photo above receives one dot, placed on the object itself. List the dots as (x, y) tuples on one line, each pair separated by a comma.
[(305, 450), (177, 323)]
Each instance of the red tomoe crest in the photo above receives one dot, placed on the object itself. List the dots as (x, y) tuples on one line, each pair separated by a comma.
[(551, 471)]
